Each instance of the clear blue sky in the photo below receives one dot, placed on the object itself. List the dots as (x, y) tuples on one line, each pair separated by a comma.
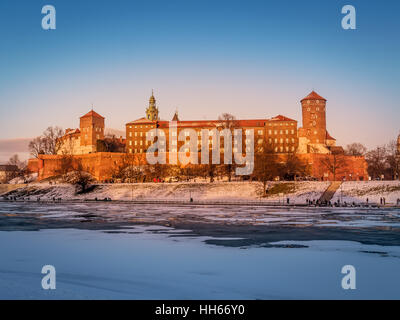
[(254, 59)]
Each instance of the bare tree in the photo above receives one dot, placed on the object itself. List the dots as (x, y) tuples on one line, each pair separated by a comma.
[(334, 163), (51, 139), (48, 143), (81, 179), (293, 167), (36, 147), (355, 149), (376, 160), (16, 168), (228, 122), (110, 144), (392, 160), (14, 161), (266, 165)]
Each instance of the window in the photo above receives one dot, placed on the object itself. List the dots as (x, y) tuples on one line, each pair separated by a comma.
[(130, 143), (130, 134), (135, 134), (292, 131), (269, 132), (260, 132)]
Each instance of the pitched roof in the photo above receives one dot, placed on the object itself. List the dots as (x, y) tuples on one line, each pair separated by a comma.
[(279, 117), (336, 149), (141, 120), (329, 137), (8, 167), (92, 113), (313, 96)]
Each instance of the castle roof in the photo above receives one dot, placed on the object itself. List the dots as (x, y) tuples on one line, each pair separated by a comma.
[(8, 167), (141, 120), (313, 96), (329, 137), (279, 117), (93, 114), (218, 123)]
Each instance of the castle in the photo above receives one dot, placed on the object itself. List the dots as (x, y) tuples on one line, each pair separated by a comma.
[(83, 140), (311, 143), (280, 132)]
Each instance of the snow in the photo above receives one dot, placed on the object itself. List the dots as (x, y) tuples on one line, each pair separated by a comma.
[(176, 191), (359, 191), (141, 264), (26, 179)]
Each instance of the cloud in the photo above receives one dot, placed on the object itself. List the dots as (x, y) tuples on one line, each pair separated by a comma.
[(9, 147)]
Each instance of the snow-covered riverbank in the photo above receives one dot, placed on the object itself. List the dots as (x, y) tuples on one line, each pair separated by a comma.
[(297, 192)]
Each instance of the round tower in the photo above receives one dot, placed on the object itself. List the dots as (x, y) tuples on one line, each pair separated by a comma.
[(314, 118)]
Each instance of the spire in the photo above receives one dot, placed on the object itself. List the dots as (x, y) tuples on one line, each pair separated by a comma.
[(175, 118), (152, 100), (152, 110)]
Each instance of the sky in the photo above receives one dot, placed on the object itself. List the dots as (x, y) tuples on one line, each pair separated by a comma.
[(253, 59)]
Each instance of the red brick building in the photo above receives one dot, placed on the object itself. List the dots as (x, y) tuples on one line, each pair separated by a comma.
[(311, 142)]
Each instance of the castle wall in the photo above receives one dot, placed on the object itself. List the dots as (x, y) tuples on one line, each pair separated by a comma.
[(100, 165), (350, 168)]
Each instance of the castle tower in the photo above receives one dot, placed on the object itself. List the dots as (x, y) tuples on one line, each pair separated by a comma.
[(152, 110), (92, 129), (314, 118)]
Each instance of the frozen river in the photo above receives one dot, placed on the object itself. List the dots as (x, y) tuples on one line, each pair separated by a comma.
[(125, 251)]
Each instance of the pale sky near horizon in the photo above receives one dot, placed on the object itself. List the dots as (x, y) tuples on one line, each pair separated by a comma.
[(254, 59)]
